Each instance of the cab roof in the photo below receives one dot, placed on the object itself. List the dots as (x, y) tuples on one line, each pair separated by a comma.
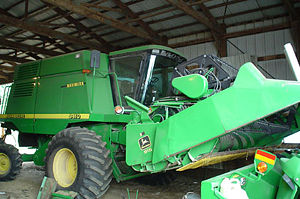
[(147, 47)]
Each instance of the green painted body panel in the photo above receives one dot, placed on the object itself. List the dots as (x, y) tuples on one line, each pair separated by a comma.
[(66, 63), (38, 156), (264, 187), (65, 100), (194, 86), (26, 103), (22, 73), (51, 90), (291, 167), (251, 97), (269, 185), (141, 156)]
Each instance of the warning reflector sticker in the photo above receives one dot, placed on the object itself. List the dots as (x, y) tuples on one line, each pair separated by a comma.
[(265, 157)]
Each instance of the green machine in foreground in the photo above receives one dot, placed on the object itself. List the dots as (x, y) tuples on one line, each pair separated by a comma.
[(268, 177), (93, 116)]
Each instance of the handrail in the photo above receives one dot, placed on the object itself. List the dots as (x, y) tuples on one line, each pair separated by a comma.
[(4, 99)]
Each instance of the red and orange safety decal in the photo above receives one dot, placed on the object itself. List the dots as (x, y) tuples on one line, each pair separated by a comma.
[(266, 157)]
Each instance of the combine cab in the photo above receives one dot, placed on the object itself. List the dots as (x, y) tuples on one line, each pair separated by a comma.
[(93, 116)]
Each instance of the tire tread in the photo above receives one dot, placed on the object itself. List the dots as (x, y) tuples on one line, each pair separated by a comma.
[(95, 161), (15, 158)]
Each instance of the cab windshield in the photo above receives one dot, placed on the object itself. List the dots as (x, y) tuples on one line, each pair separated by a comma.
[(158, 80), (145, 76)]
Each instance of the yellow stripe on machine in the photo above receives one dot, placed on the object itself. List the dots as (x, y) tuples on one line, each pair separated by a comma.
[(264, 159), (46, 116), (212, 160), (21, 116)]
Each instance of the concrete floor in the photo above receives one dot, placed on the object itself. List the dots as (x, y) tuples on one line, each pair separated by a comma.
[(27, 184)]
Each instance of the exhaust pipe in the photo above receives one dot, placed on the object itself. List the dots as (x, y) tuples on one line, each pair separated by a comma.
[(292, 60)]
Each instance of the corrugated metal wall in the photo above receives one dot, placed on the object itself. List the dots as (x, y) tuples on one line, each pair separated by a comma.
[(199, 49), (263, 44)]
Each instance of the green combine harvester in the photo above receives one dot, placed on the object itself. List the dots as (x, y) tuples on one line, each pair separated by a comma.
[(93, 116)]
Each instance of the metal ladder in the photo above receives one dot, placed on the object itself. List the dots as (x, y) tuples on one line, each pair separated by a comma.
[(5, 99)]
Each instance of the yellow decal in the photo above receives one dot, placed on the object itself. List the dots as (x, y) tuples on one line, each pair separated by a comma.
[(79, 116), (147, 150), (210, 160), (264, 159), (21, 116), (75, 84), (46, 116)]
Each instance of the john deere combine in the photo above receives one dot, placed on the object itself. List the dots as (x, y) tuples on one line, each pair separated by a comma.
[(143, 110)]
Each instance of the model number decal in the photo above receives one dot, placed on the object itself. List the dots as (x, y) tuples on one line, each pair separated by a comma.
[(76, 84), (148, 150), (75, 116), (16, 116)]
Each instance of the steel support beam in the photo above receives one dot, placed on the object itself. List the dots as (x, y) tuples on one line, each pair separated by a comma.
[(25, 47), (37, 28), (26, 8), (295, 30), (189, 10), (220, 42), (234, 34), (10, 69), (14, 59), (128, 12), (83, 28), (289, 6), (271, 57), (206, 18), (295, 24), (6, 76), (33, 55), (277, 5), (92, 14), (258, 30), (57, 45)]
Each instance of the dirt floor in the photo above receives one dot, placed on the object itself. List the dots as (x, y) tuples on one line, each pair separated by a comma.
[(27, 185)]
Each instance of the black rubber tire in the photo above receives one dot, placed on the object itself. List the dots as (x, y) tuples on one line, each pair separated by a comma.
[(15, 161), (94, 172)]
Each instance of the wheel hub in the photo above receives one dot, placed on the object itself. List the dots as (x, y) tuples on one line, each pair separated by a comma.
[(4, 163), (65, 167)]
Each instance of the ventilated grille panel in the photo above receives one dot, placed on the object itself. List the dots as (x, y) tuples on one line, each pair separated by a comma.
[(27, 71), (23, 89)]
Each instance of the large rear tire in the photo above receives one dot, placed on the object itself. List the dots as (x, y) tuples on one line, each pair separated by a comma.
[(10, 162), (78, 160)]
